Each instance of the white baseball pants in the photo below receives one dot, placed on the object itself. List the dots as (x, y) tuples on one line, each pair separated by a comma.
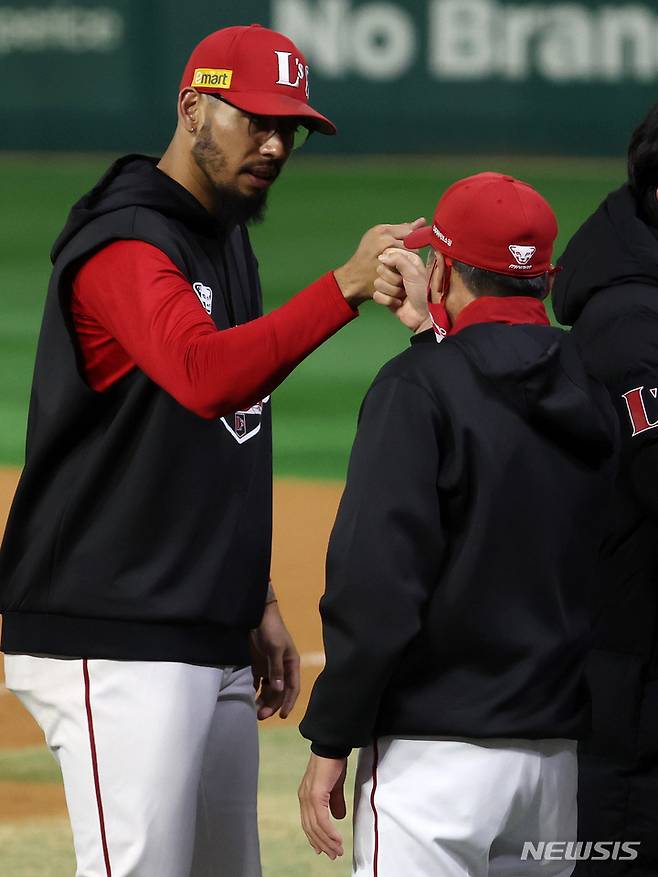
[(159, 760), (462, 808)]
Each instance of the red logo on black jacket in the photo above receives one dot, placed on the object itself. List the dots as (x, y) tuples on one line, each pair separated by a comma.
[(636, 400)]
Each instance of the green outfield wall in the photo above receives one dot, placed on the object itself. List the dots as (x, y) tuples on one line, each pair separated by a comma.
[(455, 76)]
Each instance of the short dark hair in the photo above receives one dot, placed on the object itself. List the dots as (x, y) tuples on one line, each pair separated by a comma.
[(643, 166), (481, 282)]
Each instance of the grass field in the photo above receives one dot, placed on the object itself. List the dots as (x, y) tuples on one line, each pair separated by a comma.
[(43, 847), (318, 211)]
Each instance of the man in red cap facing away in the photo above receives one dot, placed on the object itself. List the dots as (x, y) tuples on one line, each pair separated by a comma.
[(455, 613), (135, 565)]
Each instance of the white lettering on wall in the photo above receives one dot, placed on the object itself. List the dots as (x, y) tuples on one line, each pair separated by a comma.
[(383, 41), (628, 43), (460, 43), (566, 51), (471, 40), (60, 28), (320, 30), (375, 40)]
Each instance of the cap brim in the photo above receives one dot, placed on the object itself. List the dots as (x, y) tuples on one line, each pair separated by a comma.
[(421, 237), (268, 104)]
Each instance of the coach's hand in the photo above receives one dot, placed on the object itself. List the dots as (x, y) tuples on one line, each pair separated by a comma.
[(357, 277), (275, 665), (321, 792), (401, 286)]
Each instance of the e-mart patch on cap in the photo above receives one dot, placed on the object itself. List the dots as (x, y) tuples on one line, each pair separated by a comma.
[(210, 77)]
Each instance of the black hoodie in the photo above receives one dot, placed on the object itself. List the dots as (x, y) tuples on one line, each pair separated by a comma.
[(139, 530), (608, 290), (465, 543)]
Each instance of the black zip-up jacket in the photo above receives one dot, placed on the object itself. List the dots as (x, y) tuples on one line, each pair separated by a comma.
[(465, 544), (608, 290), (139, 530)]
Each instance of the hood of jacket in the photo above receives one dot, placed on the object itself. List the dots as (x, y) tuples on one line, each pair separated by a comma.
[(135, 181), (614, 247), (537, 370)]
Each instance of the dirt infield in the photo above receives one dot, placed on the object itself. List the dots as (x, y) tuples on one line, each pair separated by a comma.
[(27, 801), (8, 480), (303, 515)]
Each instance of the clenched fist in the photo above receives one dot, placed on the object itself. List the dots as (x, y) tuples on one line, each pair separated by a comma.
[(357, 277)]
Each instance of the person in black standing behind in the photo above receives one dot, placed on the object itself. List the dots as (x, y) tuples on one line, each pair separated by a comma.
[(608, 291)]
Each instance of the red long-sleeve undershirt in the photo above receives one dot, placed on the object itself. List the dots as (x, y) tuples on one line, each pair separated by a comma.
[(132, 308)]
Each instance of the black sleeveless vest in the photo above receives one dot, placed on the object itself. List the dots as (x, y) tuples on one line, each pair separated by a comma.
[(139, 530)]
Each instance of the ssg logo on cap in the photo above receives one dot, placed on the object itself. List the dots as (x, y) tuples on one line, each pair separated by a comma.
[(209, 77)]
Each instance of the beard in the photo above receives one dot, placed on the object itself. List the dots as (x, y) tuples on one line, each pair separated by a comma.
[(233, 207)]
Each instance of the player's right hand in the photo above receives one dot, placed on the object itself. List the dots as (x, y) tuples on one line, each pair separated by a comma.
[(275, 665), (321, 792), (357, 277)]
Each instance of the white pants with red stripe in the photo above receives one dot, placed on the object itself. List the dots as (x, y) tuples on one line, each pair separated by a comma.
[(463, 808), (159, 760)]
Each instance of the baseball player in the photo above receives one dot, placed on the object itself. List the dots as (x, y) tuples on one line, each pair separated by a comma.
[(455, 614), (134, 568), (608, 290)]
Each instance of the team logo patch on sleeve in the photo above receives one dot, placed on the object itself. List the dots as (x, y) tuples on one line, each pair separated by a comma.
[(209, 77), (204, 294)]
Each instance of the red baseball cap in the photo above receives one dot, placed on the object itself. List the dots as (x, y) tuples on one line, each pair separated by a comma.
[(492, 221), (257, 70)]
